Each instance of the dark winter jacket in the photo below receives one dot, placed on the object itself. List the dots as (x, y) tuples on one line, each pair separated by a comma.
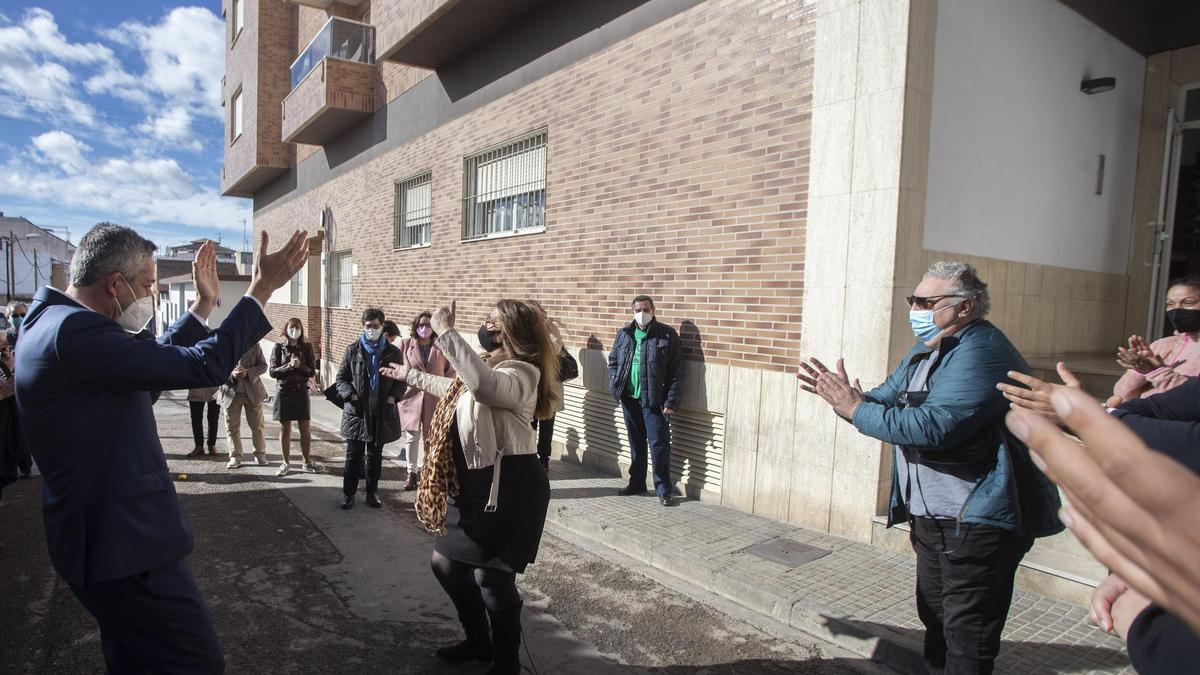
[(1168, 422), (661, 369), (361, 421), (963, 416), (293, 379)]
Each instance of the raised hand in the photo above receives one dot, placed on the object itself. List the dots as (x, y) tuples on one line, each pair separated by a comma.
[(1035, 395), (835, 388), (273, 270), (204, 277), (1132, 507), (443, 318)]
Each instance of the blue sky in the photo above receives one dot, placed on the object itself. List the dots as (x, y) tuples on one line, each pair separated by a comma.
[(111, 111)]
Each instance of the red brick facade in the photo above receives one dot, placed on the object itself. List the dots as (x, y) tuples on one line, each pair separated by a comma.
[(677, 166)]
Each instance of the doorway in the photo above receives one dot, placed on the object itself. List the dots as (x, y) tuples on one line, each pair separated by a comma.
[(1177, 240)]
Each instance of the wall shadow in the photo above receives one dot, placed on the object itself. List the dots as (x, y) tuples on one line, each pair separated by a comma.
[(533, 35), (902, 650)]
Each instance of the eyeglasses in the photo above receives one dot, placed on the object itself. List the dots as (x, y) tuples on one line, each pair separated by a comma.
[(491, 324), (929, 302)]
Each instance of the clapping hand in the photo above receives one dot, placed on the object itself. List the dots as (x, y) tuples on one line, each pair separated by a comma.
[(395, 371), (443, 318), (273, 270), (239, 372), (1035, 395), (1132, 507), (1138, 356), (205, 279), (835, 388)]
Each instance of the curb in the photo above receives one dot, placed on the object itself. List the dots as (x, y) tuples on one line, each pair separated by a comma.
[(819, 621)]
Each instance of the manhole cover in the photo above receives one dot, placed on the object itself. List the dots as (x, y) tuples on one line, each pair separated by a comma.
[(787, 552)]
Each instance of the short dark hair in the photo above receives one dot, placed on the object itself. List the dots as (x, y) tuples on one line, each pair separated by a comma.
[(1189, 280), (390, 328), (109, 248), (373, 314), (643, 298)]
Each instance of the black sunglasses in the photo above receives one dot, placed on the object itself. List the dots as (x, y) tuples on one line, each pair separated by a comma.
[(929, 302)]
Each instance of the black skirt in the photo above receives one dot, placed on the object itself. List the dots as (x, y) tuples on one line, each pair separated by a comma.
[(291, 406), (506, 539)]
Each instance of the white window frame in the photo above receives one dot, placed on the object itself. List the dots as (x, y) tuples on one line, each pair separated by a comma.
[(336, 283), (239, 18), (414, 219), (504, 189), (236, 116)]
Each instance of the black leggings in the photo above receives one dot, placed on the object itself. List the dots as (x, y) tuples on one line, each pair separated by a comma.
[(197, 410), (472, 589)]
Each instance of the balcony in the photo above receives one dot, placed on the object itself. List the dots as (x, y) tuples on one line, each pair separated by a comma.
[(431, 33), (333, 83)]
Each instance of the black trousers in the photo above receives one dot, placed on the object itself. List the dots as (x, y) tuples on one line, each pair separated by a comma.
[(197, 410), (154, 622), (964, 587), (355, 451)]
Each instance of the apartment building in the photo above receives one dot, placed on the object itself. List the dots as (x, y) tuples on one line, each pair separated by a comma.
[(776, 173)]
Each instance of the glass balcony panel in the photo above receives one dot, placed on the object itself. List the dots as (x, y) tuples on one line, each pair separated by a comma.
[(338, 39)]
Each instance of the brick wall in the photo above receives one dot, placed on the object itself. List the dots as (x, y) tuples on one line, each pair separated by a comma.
[(677, 166), (257, 64)]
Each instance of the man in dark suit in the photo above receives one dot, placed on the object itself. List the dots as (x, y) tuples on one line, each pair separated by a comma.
[(114, 526)]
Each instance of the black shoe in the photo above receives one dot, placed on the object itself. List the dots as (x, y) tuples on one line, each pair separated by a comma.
[(198, 451), (212, 449), (666, 500), (373, 501), (466, 650), (629, 490), (348, 503)]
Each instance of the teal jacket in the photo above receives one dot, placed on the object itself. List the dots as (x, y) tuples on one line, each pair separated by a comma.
[(963, 416)]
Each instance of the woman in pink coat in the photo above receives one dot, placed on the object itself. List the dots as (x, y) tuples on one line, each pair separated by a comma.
[(416, 408), (1169, 362)]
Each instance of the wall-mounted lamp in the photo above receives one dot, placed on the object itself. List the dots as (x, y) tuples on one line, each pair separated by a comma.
[(1098, 85)]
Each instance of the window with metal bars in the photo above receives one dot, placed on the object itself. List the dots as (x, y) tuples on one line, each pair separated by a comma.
[(341, 273), (504, 188), (413, 202)]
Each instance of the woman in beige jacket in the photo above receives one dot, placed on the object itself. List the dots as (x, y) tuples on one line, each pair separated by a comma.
[(482, 442)]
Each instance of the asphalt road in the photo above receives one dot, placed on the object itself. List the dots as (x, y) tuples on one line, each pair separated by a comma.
[(296, 585)]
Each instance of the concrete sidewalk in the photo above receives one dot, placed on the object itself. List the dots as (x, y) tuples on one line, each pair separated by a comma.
[(856, 595)]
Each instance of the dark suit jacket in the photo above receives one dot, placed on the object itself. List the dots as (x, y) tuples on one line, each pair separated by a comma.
[(109, 503)]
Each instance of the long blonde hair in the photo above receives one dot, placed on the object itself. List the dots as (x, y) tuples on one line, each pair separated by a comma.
[(529, 335)]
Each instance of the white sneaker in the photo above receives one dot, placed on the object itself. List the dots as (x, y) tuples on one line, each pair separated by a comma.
[(283, 469), (234, 463), (259, 460)]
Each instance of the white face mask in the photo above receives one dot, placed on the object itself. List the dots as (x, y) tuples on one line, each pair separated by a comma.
[(135, 317), (294, 333), (643, 318), (372, 333)]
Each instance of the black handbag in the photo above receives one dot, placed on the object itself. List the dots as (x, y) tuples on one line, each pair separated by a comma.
[(568, 368), (332, 395)]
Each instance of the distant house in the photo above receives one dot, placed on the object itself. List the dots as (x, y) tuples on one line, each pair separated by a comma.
[(178, 293), (33, 257), (188, 252)]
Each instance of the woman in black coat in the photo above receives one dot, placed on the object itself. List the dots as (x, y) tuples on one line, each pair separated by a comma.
[(369, 416)]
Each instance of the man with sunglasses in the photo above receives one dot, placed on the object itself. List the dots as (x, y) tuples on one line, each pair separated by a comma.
[(967, 488)]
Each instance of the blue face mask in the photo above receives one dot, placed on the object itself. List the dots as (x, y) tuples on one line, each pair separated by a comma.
[(922, 323), (18, 320)]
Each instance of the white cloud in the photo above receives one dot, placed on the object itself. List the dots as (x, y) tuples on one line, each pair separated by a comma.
[(184, 56), (172, 127), (34, 79), (140, 189), (61, 149)]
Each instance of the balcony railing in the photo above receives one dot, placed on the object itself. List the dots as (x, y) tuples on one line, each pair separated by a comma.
[(337, 39)]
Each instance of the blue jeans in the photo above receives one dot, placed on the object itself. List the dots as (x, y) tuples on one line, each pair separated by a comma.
[(648, 426)]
